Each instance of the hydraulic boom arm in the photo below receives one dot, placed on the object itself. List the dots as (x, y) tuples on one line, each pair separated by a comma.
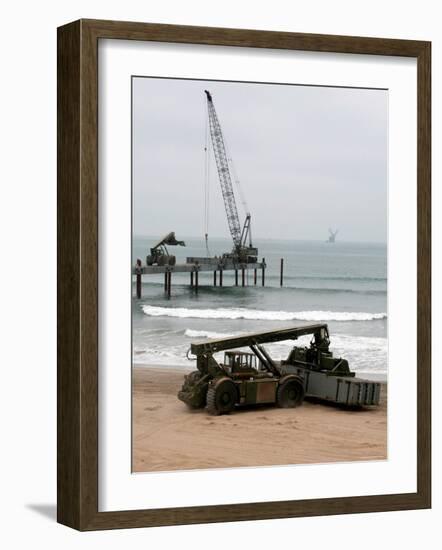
[(319, 330), (169, 239)]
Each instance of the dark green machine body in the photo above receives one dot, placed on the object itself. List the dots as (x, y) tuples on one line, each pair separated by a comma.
[(159, 255), (249, 378)]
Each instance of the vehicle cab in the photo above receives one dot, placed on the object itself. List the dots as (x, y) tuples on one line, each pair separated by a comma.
[(241, 362)]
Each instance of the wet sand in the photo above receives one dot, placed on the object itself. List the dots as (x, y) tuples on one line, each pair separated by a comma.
[(169, 436)]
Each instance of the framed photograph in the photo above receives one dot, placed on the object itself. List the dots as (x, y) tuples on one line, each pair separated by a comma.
[(243, 275)]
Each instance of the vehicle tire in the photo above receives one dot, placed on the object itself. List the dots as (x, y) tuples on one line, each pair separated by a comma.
[(149, 260), (193, 377), (290, 393), (221, 398), (193, 393), (161, 261), (172, 260), (192, 380)]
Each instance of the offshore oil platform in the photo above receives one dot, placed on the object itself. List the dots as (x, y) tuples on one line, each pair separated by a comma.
[(243, 256), (332, 235)]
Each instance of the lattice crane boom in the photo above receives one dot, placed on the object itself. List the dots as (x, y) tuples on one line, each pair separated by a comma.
[(222, 165)]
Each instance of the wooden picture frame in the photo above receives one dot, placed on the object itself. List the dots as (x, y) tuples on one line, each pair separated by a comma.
[(77, 226)]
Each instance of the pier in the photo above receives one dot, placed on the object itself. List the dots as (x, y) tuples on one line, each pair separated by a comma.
[(195, 266)]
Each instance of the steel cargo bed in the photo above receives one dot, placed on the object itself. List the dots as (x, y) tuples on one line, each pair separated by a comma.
[(345, 390)]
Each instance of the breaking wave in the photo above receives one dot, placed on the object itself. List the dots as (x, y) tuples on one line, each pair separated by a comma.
[(365, 354), (190, 333), (342, 341), (150, 355), (258, 315)]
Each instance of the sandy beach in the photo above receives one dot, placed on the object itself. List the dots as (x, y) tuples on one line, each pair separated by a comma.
[(168, 436)]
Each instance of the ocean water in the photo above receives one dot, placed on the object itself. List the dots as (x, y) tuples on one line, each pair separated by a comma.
[(343, 284)]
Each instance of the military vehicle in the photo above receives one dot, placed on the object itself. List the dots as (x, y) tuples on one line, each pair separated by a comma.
[(249, 378), (159, 254)]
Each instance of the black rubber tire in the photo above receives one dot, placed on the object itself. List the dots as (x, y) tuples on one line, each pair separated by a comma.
[(192, 379), (221, 399), (290, 393), (199, 405), (172, 260)]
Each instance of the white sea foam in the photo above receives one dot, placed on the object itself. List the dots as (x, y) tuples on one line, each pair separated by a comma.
[(256, 314), (344, 341), (154, 356), (365, 354), (190, 333)]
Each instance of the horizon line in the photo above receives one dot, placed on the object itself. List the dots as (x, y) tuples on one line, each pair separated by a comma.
[(255, 238)]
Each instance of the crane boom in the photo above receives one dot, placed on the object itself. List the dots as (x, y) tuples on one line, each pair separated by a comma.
[(319, 330), (222, 165)]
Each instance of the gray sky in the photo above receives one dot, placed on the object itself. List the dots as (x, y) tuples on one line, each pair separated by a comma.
[(308, 158)]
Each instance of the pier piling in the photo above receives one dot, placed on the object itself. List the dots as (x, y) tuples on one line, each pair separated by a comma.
[(263, 272), (214, 278), (196, 280), (281, 273), (138, 285), (138, 276), (169, 283), (255, 272), (236, 277), (243, 278)]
